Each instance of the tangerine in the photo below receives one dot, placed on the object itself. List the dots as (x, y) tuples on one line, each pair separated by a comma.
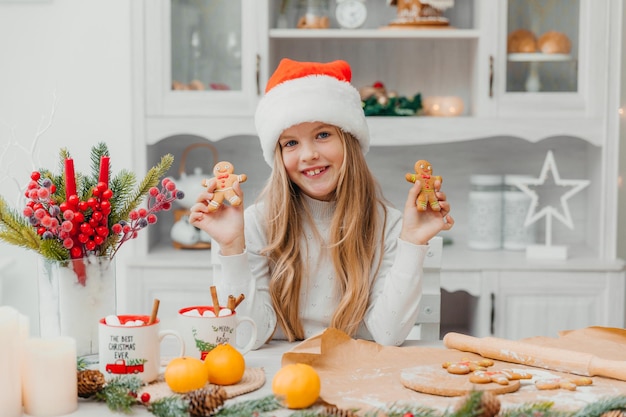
[(185, 374), (224, 365), (297, 384)]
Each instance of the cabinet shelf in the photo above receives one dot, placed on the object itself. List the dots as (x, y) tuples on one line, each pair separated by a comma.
[(397, 131), (456, 257), (538, 57), (383, 33)]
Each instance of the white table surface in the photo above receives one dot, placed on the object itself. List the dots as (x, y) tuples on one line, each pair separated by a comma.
[(268, 357)]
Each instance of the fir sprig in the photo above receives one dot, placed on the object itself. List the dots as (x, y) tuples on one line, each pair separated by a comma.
[(472, 407), (172, 406), (533, 409), (119, 394), (15, 229), (600, 407), (250, 407), (400, 410)]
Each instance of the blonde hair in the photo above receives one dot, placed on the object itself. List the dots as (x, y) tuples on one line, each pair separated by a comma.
[(356, 237)]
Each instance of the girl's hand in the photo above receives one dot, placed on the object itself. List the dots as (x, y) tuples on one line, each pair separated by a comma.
[(224, 225), (419, 227)]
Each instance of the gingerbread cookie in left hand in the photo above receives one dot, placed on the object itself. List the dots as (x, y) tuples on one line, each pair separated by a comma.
[(224, 177), (424, 174)]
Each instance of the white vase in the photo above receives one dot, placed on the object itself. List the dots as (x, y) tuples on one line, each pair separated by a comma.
[(73, 296)]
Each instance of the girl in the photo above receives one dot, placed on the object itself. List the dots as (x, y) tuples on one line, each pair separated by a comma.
[(321, 248)]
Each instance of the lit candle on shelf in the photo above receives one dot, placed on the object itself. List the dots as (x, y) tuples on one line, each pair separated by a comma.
[(104, 170), (10, 377), (443, 106), (70, 178), (49, 376)]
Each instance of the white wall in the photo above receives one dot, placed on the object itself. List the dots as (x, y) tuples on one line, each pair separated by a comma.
[(621, 236), (67, 62)]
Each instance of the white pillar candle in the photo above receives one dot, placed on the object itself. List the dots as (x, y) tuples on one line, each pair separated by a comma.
[(10, 377), (49, 376)]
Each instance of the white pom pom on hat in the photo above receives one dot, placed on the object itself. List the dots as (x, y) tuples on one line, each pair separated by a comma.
[(301, 92)]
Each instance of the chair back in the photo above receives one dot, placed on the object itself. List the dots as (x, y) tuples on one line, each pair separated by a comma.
[(427, 325)]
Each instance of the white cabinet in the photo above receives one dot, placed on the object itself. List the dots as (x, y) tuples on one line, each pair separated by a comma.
[(515, 300), (562, 83), (529, 304), (202, 64), (506, 127)]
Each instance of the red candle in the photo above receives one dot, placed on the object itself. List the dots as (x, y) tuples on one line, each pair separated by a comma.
[(104, 170), (70, 178)]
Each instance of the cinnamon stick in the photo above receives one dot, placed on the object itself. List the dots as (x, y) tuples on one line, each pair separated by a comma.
[(231, 302), (216, 302), (155, 311), (239, 300)]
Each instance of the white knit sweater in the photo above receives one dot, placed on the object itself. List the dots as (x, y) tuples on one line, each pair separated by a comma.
[(393, 304)]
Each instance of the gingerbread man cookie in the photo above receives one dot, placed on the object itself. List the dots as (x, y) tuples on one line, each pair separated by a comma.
[(501, 377), (424, 174), (465, 366), (563, 383), (225, 177)]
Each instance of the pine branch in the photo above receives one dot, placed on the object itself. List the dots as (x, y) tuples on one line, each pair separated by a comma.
[(250, 407), (85, 186), (472, 406), (397, 410), (151, 179), (15, 230), (58, 181), (174, 406), (600, 407), (117, 394), (97, 152), (53, 249), (122, 187), (64, 153)]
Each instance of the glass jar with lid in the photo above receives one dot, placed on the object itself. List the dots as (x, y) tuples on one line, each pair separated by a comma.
[(485, 212), (515, 236), (313, 14)]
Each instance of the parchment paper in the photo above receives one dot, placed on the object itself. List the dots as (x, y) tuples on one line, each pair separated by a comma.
[(365, 375)]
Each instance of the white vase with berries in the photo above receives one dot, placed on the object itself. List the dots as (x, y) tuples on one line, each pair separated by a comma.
[(77, 223)]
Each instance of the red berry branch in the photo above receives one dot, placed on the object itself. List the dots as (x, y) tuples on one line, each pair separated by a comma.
[(70, 216), (158, 199)]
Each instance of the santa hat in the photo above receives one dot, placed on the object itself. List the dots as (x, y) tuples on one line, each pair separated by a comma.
[(300, 92)]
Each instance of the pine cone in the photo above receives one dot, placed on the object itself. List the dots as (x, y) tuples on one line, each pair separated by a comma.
[(334, 411), (205, 402), (90, 381), (490, 404), (613, 413)]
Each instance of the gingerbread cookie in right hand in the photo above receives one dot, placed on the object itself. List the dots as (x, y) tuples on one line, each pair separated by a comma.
[(224, 177), (424, 174)]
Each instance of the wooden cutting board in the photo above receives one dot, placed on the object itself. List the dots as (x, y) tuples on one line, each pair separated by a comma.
[(435, 380)]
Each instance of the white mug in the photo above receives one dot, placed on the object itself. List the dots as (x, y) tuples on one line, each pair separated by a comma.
[(202, 333), (132, 348)]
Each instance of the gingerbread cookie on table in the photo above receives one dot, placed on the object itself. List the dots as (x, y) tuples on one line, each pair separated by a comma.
[(502, 376), (424, 174), (225, 177), (563, 383), (465, 366)]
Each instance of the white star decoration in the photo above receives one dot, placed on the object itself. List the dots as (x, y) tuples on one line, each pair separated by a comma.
[(549, 166)]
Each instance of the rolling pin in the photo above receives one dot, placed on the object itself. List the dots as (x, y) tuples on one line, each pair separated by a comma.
[(523, 353)]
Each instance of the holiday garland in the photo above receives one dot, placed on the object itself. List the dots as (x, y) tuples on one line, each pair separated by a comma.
[(120, 395)]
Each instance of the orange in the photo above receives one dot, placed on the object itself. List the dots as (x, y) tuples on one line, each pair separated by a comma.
[(297, 384), (185, 374), (224, 365)]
